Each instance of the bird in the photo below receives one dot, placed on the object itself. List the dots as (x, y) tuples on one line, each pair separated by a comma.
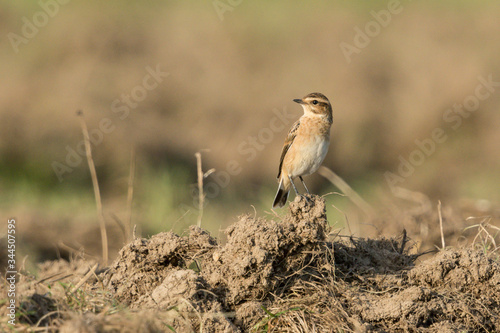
[(306, 144)]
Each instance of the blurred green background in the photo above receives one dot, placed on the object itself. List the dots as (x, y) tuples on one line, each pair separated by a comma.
[(225, 76)]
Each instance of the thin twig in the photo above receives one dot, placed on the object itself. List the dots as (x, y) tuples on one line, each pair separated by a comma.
[(441, 224), (134, 234), (201, 175), (49, 277), (97, 194), (130, 195), (201, 196), (416, 197), (85, 278), (47, 315), (196, 312), (121, 225), (346, 219), (72, 251), (403, 242), (347, 190), (180, 218)]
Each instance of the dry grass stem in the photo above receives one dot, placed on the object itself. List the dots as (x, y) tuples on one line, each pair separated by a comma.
[(201, 196), (97, 194), (130, 195), (346, 219), (120, 225), (201, 176), (347, 190), (441, 224), (85, 278), (424, 204)]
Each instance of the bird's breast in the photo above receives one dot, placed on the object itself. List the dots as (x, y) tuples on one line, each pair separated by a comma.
[(309, 147)]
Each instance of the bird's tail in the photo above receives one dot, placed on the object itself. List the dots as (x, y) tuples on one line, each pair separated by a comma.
[(282, 194)]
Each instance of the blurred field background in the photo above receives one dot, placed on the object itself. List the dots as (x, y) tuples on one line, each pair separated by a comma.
[(227, 80)]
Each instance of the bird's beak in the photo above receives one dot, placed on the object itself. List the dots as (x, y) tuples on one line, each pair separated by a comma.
[(298, 100)]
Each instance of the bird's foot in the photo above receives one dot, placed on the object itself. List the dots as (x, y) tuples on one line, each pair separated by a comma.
[(307, 197)]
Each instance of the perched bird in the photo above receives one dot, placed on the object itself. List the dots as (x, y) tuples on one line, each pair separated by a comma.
[(305, 146)]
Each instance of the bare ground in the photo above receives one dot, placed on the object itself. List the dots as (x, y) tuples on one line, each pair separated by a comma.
[(283, 275)]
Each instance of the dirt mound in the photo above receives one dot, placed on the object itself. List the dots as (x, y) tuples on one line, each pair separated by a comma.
[(260, 260), (288, 275), (263, 256), (285, 275)]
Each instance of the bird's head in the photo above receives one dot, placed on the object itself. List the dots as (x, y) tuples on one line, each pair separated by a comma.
[(316, 104)]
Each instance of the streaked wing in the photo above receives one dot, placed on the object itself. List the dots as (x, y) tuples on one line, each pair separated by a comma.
[(288, 142)]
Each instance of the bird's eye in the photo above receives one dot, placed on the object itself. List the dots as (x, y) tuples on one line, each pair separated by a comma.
[(315, 102)]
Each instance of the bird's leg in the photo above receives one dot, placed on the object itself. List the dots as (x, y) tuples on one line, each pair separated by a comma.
[(291, 181), (302, 180), (303, 183), (296, 192)]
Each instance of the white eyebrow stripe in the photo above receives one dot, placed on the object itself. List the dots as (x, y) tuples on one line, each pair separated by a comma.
[(319, 99)]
